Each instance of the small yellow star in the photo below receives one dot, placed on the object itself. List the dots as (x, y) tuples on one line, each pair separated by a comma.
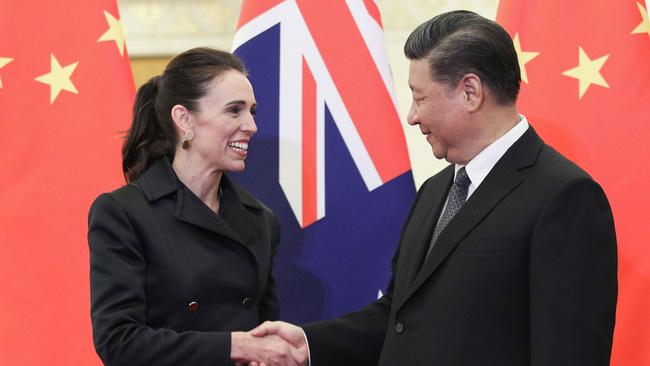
[(3, 62), (644, 27), (58, 78), (114, 32), (588, 72), (523, 58)]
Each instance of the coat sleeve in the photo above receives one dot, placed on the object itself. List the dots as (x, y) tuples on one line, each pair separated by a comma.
[(572, 277), (269, 307), (119, 301)]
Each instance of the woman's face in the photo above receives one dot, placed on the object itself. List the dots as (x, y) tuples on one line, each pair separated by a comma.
[(223, 123)]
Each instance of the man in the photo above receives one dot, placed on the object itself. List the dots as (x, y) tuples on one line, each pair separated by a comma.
[(508, 256)]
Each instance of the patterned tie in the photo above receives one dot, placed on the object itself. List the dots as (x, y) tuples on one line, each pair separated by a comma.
[(456, 199)]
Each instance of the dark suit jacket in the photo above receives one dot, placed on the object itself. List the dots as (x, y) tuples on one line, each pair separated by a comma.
[(155, 248), (524, 274)]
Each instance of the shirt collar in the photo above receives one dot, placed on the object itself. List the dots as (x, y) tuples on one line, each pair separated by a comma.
[(480, 166)]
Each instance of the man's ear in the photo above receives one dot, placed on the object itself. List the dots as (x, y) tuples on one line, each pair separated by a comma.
[(182, 118), (473, 91)]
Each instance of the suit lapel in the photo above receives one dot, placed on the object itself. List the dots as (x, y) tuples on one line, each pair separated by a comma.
[(421, 225), (501, 180)]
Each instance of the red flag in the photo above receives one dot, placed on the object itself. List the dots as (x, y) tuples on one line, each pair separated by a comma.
[(66, 90), (586, 71)]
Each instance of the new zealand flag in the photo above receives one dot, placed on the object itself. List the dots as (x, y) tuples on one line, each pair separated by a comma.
[(329, 157)]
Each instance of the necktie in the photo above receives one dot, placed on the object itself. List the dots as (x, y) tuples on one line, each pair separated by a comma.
[(455, 200)]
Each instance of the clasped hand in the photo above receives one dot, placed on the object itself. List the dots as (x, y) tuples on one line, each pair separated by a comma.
[(270, 344)]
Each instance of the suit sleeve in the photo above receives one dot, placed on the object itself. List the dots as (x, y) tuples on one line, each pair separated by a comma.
[(353, 339), (573, 284), (356, 338), (269, 307), (119, 302)]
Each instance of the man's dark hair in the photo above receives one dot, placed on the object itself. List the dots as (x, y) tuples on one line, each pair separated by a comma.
[(461, 42)]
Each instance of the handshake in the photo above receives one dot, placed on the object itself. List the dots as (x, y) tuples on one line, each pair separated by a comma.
[(270, 344)]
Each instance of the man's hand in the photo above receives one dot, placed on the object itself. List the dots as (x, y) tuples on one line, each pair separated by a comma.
[(288, 332), (268, 350)]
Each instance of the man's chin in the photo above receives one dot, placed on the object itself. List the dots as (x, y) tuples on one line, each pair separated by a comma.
[(439, 154)]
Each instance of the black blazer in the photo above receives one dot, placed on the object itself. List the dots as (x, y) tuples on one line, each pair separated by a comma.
[(524, 274), (170, 279)]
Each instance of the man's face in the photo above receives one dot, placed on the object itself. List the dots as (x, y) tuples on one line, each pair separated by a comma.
[(439, 111)]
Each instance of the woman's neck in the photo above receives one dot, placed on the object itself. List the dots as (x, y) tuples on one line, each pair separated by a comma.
[(199, 178)]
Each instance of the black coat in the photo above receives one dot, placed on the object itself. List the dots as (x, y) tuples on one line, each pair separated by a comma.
[(170, 279), (524, 274)]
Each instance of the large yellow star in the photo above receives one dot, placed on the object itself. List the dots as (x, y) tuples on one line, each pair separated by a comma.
[(588, 72), (58, 78), (114, 32), (3, 62), (644, 27), (523, 57)]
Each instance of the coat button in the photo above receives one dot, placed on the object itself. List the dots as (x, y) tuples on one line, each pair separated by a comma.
[(399, 328), (247, 302), (193, 306)]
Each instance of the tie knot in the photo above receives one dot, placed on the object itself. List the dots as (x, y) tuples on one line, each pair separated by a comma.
[(462, 179)]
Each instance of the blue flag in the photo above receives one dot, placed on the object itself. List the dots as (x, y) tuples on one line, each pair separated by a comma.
[(330, 156)]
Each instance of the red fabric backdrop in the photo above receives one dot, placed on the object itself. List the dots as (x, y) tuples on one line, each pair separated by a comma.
[(57, 152), (588, 96)]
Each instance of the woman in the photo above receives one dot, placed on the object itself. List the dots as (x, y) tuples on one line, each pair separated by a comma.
[(181, 257)]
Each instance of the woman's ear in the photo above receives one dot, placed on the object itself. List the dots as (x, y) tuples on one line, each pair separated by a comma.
[(182, 118)]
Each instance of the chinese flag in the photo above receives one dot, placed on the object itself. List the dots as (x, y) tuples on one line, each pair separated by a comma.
[(586, 74), (66, 91)]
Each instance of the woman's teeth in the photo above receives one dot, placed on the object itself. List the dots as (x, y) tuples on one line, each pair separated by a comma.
[(239, 145)]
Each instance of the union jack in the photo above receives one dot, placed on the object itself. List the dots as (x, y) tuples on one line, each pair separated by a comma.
[(344, 66)]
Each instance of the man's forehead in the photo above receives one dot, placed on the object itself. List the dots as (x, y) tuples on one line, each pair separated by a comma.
[(418, 69)]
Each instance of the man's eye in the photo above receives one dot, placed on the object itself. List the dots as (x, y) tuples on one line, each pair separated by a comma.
[(253, 111), (234, 110)]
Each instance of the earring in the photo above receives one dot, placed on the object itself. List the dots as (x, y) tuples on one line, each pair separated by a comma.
[(187, 137)]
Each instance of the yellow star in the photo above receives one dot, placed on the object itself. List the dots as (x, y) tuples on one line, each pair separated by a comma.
[(588, 71), (58, 78), (3, 62), (644, 27), (523, 58), (114, 32)]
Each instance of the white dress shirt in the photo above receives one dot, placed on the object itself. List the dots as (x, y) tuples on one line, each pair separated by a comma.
[(480, 166)]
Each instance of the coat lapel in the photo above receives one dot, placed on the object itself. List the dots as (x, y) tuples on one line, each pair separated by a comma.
[(501, 180), (238, 208), (235, 205), (160, 180), (192, 210)]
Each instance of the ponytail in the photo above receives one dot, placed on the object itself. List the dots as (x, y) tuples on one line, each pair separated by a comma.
[(148, 139)]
